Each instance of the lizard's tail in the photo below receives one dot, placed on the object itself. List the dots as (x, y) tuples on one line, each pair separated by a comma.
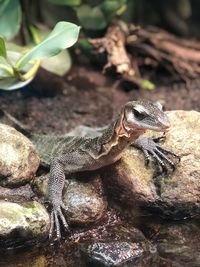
[(7, 118)]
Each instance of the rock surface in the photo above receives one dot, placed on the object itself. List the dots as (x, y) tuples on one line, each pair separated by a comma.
[(119, 246), (29, 259), (16, 194), (83, 197), (179, 196), (18, 157), (180, 242), (23, 221)]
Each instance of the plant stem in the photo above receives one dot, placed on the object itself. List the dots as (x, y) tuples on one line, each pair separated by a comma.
[(31, 72)]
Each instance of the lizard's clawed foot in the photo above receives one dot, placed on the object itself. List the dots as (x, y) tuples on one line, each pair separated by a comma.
[(151, 149), (57, 214)]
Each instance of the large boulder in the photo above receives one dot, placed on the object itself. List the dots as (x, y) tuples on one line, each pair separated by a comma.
[(23, 221), (84, 197), (18, 157), (177, 195)]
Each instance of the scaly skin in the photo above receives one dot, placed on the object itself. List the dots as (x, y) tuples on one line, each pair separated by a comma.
[(70, 154)]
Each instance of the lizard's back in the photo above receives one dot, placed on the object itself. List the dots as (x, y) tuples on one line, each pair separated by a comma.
[(50, 146)]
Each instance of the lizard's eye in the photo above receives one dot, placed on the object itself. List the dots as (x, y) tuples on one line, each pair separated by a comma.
[(139, 115)]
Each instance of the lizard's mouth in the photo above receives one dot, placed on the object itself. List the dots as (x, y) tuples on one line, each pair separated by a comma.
[(166, 127)]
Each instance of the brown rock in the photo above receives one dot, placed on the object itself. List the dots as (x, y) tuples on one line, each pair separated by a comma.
[(178, 195), (18, 157), (180, 242), (23, 221), (84, 197)]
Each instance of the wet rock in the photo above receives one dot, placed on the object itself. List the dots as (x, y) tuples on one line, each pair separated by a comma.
[(23, 260), (180, 243), (177, 195), (18, 157), (16, 194), (168, 263), (22, 221), (83, 197), (119, 246), (85, 201)]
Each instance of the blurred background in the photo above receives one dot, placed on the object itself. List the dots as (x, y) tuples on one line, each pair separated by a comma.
[(126, 49), (64, 63)]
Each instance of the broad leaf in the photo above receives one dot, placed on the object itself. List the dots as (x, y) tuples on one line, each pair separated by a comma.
[(66, 2), (2, 48), (10, 18), (12, 83), (59, 64), (7, 79), (63, 35), (5, 68), (91, 18), (15, 48)]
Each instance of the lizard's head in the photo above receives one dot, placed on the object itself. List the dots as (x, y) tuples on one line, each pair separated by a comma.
[(145, 114)]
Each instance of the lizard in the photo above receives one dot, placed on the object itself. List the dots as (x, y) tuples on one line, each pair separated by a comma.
[(69, 154)]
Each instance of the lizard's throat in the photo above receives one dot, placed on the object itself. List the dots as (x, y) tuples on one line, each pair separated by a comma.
[(121, 138), (130, 133)]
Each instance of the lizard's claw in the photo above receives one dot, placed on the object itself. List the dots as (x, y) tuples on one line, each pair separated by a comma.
[(151, 148), (57, 213)]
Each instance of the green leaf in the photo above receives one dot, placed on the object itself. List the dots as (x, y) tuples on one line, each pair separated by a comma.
[(10, 18), (91, 18), (145, 84), (63, 35), (9, 79), (15, 48), (2, 48), (59, 64), (13, 83), (66, 2), (35, 34), (5, 68), (112, 7)]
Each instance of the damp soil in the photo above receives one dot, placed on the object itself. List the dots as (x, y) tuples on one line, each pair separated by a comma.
[(86, 96), (51, 104)]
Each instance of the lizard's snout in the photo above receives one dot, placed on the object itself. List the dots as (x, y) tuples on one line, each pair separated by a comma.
[(165, 124)]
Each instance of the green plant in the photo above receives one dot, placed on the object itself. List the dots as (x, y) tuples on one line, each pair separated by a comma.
[(95, 15), (19, 68), (30, 21), (19, 64)]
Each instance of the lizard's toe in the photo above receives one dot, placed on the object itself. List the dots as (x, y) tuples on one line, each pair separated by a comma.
[(151, 148), (164, 157), (51, 225), (62, 217), (57, 224), (57, 214), (158, 139), (168, 152)]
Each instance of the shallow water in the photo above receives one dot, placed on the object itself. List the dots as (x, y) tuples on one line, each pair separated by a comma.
[(178, 242)]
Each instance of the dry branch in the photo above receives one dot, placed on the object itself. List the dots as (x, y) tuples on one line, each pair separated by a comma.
[(129, 46)]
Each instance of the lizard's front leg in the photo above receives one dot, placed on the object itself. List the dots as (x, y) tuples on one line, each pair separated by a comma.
[(151, 148), (71, 162), (56, 185)]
